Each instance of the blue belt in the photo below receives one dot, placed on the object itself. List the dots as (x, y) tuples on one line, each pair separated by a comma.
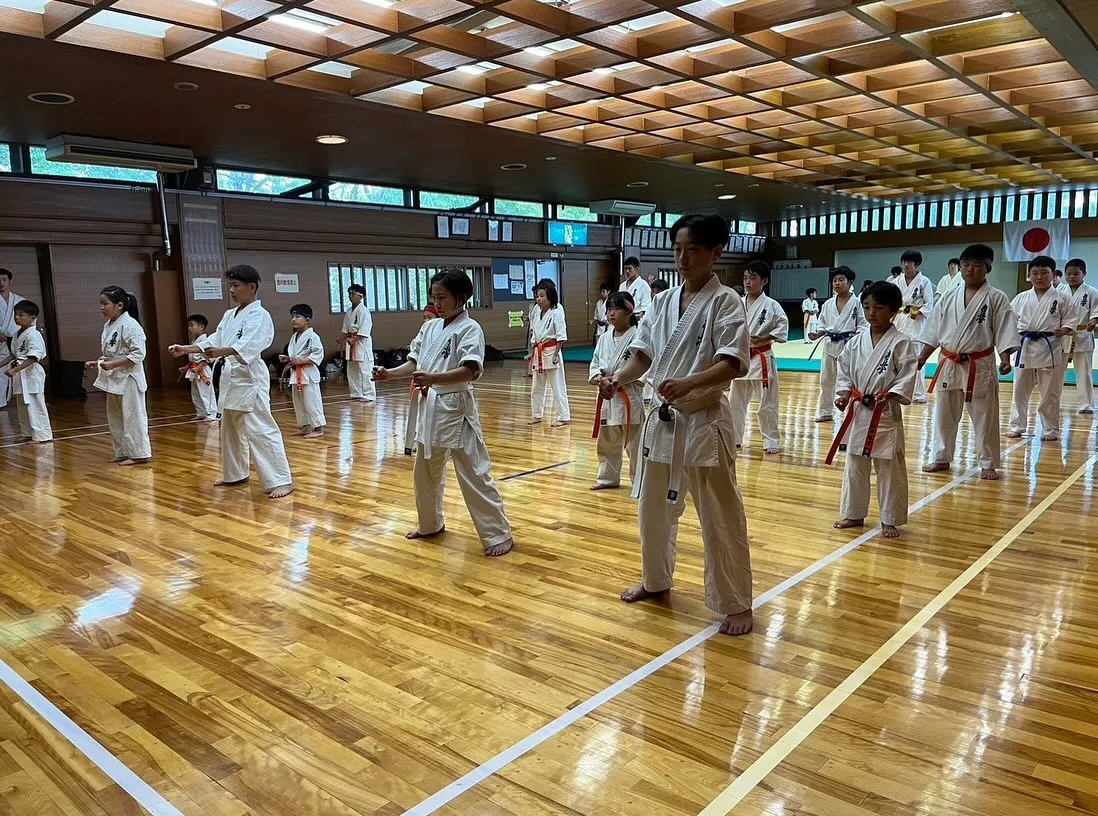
[(834, 337), (1034, 335)]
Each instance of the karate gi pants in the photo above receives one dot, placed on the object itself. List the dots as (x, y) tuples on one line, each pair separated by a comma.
[(920, 383), (611, 448), (473, 469), (308, 406), (1084, 378), (983, 411), (203, 399), (34, 420), (5, 381), (719, 506), (253, 434), (128, 422), (1051, 383), (891, 488), (829, 374), (358, 379), (741, 395), (553, 379)]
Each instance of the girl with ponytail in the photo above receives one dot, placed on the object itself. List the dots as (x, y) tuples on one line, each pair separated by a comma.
[(121, 375)]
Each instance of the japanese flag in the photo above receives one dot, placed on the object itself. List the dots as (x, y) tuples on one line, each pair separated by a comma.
[(1025, 240)]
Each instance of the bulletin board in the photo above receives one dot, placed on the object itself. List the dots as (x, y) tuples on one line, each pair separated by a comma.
[(513, 279)]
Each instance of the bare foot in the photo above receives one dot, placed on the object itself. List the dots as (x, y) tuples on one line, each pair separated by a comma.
[(43, 442), (1049, 437), (989, 474), (772, 451), (1086, 410), (535, 421), (739, 624), (223, 483), (496, 550), (846, 524), (936, 467), (211, 420), (637, 592), (890, 531), (1013, 435), (280, 491), (301, 432), (560, 422), (412, 536), (599, 486), (825, 419), (125, 462), (314, 434), (919, 400)]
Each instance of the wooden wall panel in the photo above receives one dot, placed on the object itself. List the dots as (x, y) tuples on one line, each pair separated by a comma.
[(22, 262)]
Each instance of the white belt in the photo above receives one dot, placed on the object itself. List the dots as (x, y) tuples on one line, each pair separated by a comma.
[(675, 414)]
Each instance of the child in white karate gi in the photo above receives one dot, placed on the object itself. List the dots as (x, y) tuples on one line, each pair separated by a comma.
[(197, 372), (618, 419), (27, 349), (305, 355)]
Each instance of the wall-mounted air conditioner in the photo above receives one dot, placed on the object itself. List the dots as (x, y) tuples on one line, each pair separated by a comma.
[(114, 153)]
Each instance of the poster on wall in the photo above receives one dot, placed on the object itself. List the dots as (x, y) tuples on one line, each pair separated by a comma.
[(517, 287), (207, 288), (459, 226), (508, 231), (287, 284), (443, 225), (493, 230), (516, 272)]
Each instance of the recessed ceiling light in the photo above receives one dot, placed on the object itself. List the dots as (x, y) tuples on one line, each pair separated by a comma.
[(513, 166), (726, 197), (550, 158), (752, 186), (331, 139), (186, 86), (718, 184), (51, 98), (242, 106), (637, 184)]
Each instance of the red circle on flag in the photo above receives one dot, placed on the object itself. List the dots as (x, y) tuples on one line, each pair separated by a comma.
[(1036, 239)]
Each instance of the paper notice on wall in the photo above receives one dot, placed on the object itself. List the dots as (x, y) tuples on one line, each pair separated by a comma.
[(500, 282), (443, 225), (286, 283), (516, 273), (516, 287), (493, 230), (207, 288), (531, 277), (508, 230)]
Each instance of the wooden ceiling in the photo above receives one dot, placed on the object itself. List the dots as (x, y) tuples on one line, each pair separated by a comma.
[(882, 99)]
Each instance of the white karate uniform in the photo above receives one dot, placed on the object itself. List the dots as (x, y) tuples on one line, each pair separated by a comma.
[(987, 322), (811, 307), (695, 451), (835, 322), (918, 298), (448, 426), (601, 326), (247, 427), (1081, 344), (29, 385), (202, 391), (547, 363), (1039, 360), (125, 388), (764, 317), (947, 283), (641, 292), (358, 352), (304, 381), (8, 330), (619, 428), (887, 368)]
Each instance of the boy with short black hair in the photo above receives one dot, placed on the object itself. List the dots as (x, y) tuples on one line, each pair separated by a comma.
[(636, 286), (197, 372), (25, 352), (303, 358), (358, 346), (599, 320), (810, 311), (1080, 352)]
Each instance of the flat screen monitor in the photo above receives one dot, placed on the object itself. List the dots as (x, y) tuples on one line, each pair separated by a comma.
[(567, 233)]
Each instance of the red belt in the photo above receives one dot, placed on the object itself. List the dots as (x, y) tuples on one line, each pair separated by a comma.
[(198, 368), (628, 414), (539, 354), (760, 352), (961, 357), (869, 401)]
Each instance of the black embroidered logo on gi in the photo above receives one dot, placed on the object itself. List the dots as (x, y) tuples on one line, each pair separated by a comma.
[(698, 342), (445, 353), (1052, 309), (627, 354), (762, 317), (882, 366), (240, 333), (981, 316), (113, 340), (1086, 297)]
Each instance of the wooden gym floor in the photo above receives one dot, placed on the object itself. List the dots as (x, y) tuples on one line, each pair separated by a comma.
[(218, 653)]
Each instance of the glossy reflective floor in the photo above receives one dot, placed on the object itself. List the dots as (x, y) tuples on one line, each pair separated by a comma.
[(300, 657)]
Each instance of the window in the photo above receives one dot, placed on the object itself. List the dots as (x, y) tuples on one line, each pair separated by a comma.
[(970, 211), (43, 166), (958, 212), (1080, 203), (1092, 204), (920, 215), (395, 288), (842, 222), (650, 220), (573, 212), (1023, 207), (671, 218), (784, 229), (1065, 204), (865, 220), (996, 209), (982, 215), (875, 220), (241, 181), (747, 228), (366, 194), (445, 201), (887, 223), (1010, 203), (933, 217), (527, 209), (909, 216), (802, 226), (1038, 205), (5, 158), (832, 225)]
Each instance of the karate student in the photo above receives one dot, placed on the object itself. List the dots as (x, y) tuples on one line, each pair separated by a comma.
[(304, 356), (1081, 347), (599, 320), (197, 372), (692, 343), (1058, 281), (548, 334), (358, 346), (950, 280), (971, 323), (658, 285), (444, 360), (121, 376), (841, 318), (8, 326), (767, 323), (617, 419), (918, 294), (1043, 314), (247, 427), (27, 350), (810, 310), (877, 372), (636, 286)]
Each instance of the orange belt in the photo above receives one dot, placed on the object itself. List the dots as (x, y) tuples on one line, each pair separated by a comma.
[(760, 352), (599, 422), (539, 354), (962, 357), (198, 368), (869, 401), (352, 339), (299, 376)]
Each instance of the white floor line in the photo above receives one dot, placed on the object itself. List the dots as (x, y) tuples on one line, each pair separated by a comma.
[(761, 767), (131, 783), (574, 715)]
